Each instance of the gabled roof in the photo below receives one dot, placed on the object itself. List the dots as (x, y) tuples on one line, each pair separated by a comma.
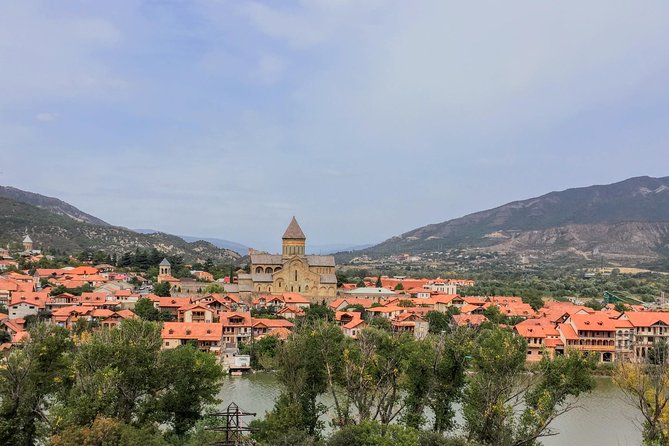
[(646, 318), (38, 299), (202, 331), (468, 319), (164, 262), (294, 231), (593, 322)]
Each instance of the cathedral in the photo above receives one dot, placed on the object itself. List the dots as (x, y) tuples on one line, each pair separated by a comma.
[(292, 271)]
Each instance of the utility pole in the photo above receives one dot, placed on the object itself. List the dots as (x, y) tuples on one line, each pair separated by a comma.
[(233, 428)]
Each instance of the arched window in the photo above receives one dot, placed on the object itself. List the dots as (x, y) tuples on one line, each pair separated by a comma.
[(268, 270), (259, 270), (295, 275)]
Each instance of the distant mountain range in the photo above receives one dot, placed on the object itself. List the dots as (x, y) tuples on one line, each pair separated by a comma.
[(53, 205), (626, 221), (220, 243), (57, 225)]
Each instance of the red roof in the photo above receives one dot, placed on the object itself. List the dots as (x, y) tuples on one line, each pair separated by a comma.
[(593, 322), (33, 298), (568, 332), (202, 331)]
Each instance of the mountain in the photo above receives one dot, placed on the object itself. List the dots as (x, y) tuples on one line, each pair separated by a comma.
[(224, 244), (625, 221), (53, 205), (49, 228), (334, 248)]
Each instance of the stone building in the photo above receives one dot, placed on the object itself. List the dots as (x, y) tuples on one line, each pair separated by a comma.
[(292, 271)]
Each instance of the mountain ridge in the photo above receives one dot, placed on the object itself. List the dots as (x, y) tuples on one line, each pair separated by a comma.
[(56, 231), (591, 219), (51, 204)]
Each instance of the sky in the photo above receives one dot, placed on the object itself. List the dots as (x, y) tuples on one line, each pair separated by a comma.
[(365, 119)]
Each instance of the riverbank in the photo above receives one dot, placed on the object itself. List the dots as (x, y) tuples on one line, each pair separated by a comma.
[(603, 419)]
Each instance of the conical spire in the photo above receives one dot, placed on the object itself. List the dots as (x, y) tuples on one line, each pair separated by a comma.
[(294, 231)]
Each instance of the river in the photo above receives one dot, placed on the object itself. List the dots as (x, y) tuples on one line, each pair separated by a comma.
[(603, 419)]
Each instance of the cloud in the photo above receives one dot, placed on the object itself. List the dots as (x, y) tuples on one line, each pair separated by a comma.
[(46, 117), (365, 119)]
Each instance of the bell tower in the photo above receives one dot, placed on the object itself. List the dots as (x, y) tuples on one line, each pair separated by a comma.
[(293, 240), (164, 269)]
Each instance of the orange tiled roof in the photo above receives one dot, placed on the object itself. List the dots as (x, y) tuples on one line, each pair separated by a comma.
[(468, 319), (646, 318), (202, 331), (34, 298), (593, 322)]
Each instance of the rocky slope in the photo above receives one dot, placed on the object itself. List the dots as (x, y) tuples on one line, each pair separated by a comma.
[(52, 230), (626, 221), (53, 205)]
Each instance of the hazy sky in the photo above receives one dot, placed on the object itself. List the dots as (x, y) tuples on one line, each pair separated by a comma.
[(364, 119)]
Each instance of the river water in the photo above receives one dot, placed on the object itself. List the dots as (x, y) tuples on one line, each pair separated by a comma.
[(604, 418)]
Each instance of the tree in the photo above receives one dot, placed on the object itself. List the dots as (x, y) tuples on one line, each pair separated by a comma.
[(534, 301), (647, 388), (191, 379), (500, 387), (213, 288), (109, 432), (399, 287), (29, 375), (319, 311), (121, 373), (438, 322), (372, 433), (594, 304), (620, 307), (145, 309), (162, 289), (374, 370), (378, 284)]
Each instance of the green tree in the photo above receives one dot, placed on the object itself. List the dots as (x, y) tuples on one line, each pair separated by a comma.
[(372, 433), (28, 377), (319, 312), (213, 288), (499, 387), (438, 322), (145, 309), (190, 380), (162, 289), (378, 284)]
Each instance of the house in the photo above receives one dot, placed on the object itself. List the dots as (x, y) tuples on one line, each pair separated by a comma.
[(170, 304), (195, 313), (24, 304), (237, 327), (291, 312), (116, 318), (388, 312), (267, 326), (591, 333), (467, 320), (410, 323), (206, 336), (644, 328), (68, 316), (342, 303), (351, 323), (542, 338)]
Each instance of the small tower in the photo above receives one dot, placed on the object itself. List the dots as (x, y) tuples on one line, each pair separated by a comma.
[(27, 243), (293, 240), (164, 269)]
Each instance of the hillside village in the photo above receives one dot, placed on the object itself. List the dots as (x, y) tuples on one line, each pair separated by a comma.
[(271, 300)]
